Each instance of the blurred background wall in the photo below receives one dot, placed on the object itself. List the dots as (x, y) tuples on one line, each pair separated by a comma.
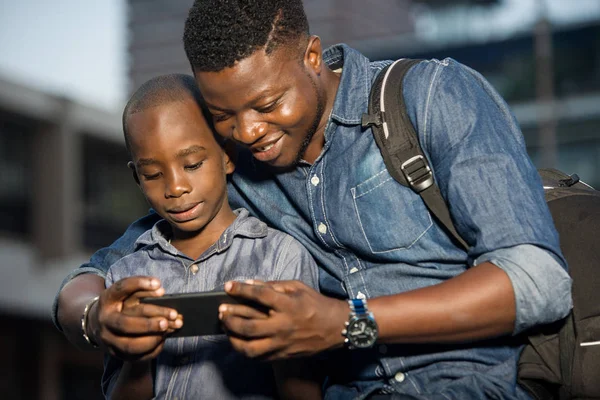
[(67, 67)]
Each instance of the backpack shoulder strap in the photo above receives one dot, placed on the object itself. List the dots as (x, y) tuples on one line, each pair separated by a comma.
[(399, 144)]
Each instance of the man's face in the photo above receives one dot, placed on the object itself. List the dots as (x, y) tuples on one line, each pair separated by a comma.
[(180, 167), (272, 104)]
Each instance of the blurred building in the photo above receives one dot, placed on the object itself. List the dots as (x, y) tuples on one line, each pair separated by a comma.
[(572, 111), (65, 191), (555, 96)]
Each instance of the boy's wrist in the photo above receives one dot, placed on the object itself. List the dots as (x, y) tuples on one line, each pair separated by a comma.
[(88, 324)]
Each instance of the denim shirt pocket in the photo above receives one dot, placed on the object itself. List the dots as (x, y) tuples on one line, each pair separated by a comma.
[(391, 216)]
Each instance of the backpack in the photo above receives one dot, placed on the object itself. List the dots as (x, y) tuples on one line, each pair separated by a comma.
[(559, 360)]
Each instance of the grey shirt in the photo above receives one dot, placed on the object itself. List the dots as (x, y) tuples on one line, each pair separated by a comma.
[(207, 366)]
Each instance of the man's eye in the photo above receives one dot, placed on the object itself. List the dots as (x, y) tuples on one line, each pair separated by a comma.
[(193, 166), (268, 108), (220, 117)]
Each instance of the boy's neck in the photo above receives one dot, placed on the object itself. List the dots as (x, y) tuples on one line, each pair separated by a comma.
[(194, 244)]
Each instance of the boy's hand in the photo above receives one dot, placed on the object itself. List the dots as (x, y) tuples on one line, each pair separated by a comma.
[(128, 329), (301, 321)]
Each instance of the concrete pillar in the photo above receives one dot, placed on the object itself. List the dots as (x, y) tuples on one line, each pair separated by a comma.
[(57, 187)]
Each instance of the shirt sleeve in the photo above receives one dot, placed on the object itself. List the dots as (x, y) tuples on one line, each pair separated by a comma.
[(552, 296), (492, 189), (101, 260), (296, 263)]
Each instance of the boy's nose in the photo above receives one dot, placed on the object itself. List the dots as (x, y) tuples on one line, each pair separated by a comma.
[(177, 186)]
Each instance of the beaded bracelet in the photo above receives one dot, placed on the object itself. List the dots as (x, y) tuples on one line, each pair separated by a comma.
[(84, 317)]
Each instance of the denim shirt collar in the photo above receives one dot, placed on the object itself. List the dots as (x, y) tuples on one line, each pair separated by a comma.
[(244, 225), (353, 92)]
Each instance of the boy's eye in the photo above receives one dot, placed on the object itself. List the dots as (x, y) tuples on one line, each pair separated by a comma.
[(150, 177), (193, 166)]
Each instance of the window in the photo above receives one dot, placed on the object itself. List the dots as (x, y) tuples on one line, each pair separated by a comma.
[(15, 178), (112, 200)]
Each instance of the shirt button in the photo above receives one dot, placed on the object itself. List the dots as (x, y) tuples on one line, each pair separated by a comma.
[(399, 377), (315, 180), (194, 268), (322, 228)]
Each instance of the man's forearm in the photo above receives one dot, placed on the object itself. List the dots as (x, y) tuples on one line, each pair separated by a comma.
[(478, 304), (71, 302)]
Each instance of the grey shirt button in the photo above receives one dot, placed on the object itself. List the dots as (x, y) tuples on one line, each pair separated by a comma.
[(322, 228), (315, 180), (194, 268), (399, 377)]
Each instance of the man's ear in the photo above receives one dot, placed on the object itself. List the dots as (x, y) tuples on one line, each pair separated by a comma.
[(313, 55), (230, 156), (131, 166)]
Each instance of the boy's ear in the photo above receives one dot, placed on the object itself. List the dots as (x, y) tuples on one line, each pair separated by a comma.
[(131, 166), (230, 156)]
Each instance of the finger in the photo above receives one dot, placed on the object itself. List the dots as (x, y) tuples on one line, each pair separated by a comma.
[(241, 310), (285, 286), (254, 282), (124, 288), (149, 311), (248, 328), (263, 349), (134, 348), (261, 294), (135, 298), (126, 325)]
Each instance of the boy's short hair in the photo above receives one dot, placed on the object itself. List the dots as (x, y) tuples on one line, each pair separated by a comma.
[(220, 32), (162, 90)]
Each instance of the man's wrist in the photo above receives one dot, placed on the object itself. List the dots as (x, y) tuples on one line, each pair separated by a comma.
[(360, 330)]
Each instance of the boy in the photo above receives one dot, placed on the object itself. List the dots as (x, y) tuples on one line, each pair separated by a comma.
[(200, 244)]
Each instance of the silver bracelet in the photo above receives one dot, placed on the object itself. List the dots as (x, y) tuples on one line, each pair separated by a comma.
[(84, 317)]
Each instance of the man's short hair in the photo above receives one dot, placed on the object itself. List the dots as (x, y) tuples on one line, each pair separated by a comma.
[(162, 90), (219, 33)]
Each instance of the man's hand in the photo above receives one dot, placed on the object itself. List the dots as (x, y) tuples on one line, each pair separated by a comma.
[(301, 321), (128, 329)]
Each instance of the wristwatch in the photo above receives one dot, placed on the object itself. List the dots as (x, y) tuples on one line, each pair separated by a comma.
[(361, 329)]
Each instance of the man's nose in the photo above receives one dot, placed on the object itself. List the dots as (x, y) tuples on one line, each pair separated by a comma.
[(248, 130)]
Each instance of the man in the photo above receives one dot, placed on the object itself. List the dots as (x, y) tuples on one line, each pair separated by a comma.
[(426, 319)]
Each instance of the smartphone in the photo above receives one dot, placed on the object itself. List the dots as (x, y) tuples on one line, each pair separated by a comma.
[(200, 310)]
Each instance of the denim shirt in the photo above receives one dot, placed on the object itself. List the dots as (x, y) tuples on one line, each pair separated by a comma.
[(371, 236), (207, 366)]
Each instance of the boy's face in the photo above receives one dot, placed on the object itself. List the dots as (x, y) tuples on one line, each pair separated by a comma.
[(180, 167), (272, 104)]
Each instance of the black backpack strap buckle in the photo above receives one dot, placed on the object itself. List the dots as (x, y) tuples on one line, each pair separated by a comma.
[(417, 173), (369, 120)]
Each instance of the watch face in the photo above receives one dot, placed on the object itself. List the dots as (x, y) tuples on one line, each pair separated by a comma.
[(362, 332)]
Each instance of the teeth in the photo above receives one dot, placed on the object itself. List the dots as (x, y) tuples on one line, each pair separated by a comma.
[(265, 148)]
